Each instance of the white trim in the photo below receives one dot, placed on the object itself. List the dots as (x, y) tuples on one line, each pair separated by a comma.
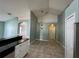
[(41, 40), (69, 16), (67, 19)]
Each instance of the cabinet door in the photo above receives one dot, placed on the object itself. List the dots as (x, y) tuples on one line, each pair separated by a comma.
[(22, 49), (28, 45), (17, 51), (24, 45)]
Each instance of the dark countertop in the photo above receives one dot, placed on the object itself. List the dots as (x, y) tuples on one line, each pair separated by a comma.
[(8, 45), (10, 40)]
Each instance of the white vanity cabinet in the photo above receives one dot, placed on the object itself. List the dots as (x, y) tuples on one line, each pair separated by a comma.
[(22, 49)]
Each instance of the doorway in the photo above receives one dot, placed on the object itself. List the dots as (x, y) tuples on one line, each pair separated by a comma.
[(23, 30), (51, 32)]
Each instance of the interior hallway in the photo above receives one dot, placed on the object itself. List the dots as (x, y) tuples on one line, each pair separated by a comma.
[(45, 49)]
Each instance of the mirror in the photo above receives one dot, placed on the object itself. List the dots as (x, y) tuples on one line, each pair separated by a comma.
[(9, 28)]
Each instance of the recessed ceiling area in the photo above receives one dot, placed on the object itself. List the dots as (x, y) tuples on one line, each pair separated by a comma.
[(48, 6)]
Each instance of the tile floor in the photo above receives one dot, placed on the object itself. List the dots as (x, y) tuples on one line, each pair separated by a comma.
[(45, 49)]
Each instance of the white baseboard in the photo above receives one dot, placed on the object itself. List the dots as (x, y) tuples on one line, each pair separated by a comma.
[(41, 40)]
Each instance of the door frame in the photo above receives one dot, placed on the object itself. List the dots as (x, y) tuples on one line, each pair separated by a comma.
[(67, 18)]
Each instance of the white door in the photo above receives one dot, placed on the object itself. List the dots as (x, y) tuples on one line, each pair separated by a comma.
[(69, 36)]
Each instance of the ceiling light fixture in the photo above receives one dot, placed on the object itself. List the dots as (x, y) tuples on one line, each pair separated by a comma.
[(9, 13), (42, 11)]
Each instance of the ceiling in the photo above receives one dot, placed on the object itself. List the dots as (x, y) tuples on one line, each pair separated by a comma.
[(41, 7), (17, 8)]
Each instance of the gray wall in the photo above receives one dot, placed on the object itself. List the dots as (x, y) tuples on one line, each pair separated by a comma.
[(44, 31), (61, 29), (38, 31), (1, 29), (72, 8), (33, 28)]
